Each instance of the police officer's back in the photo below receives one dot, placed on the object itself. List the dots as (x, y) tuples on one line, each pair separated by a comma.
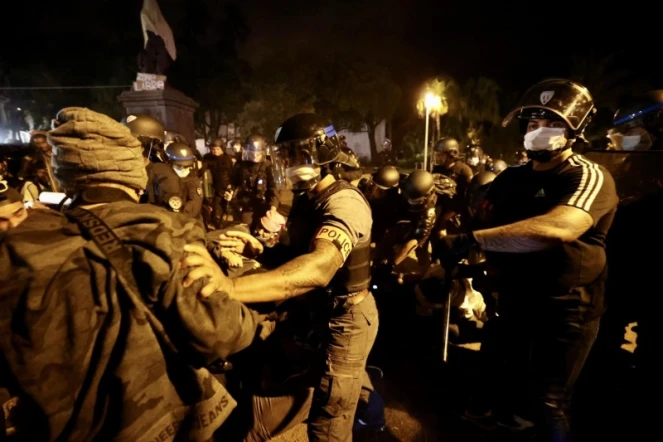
[(74, 332)]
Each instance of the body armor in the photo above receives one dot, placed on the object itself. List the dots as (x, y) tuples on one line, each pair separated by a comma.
[(306, 217)]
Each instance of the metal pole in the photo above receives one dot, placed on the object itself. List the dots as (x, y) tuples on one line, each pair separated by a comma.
[(426, 139)]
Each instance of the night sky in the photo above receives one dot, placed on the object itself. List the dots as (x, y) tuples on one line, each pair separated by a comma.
[(515, 43)]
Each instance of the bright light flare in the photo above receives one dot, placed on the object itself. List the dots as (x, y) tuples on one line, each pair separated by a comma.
[(432, 101)]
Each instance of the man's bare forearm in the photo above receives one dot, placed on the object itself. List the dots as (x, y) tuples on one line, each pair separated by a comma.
[(294, 278), (531, 235)]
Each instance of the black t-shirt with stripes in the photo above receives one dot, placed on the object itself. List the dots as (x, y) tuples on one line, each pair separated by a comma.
[(520, 193)]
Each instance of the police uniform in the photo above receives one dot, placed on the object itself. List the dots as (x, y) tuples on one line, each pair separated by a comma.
[(340, 214), (255, 189), (192, 196), (164, 187)]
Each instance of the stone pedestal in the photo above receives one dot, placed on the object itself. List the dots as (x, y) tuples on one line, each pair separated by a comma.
[(170, 106)]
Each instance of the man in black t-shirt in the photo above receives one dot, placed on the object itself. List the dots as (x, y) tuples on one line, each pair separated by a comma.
[(546, 244)]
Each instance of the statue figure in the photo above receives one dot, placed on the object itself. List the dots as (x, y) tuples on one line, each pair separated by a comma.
[(154, 58)]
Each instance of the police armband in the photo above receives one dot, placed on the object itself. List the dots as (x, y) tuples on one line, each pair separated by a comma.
[(338, 237)]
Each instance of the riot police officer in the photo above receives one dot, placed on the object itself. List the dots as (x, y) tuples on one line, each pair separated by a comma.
[(448, 163), (498, 166), (475, 158), (638, 124), (254, 189), (387, 156), (183, 161), (329, 225), (382, 193), (163, 184), (418, 190)]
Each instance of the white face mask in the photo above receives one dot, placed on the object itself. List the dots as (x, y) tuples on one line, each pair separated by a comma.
[(473, 161), (630, 142), (305, 172), (182, 172), (545, 138)]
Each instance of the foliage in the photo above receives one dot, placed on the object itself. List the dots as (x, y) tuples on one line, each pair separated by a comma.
[(269, 106)]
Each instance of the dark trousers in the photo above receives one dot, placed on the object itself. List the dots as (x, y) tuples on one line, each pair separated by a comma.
[(543, 346), (219, 205), (352, 332)]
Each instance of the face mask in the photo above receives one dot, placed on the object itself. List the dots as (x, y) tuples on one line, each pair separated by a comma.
[(302, 173), (182, 172), (473, 161), (630, 142), (545, 138)]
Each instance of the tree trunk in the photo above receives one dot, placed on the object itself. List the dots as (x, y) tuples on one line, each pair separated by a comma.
[(370, 126)]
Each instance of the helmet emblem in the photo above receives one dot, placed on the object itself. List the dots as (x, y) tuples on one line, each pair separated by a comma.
[(546, 96)]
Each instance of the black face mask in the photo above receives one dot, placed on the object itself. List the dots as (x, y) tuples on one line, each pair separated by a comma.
[(544, 156)]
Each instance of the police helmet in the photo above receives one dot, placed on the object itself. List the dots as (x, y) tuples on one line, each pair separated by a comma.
[(555, 99), (387, 177), (255, 149), (218, 142), (305, 142), (418, 184), (478, 190), (348, 158), (144, 126), (645, 111), (448, 145), (499, 166), (180, 154)]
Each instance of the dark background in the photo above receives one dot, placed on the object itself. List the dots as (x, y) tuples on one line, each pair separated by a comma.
[(226, 48)]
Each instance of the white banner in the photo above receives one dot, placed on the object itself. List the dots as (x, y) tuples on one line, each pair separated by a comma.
[(152, 20)]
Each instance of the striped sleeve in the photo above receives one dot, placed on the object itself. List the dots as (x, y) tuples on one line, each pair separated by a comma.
[(588, 187)]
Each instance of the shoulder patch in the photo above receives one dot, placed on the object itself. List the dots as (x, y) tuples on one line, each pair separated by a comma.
[(338, 237), (175, 203), (199, 191)]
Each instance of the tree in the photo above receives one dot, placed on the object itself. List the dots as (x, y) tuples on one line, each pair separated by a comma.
[(450, 98), (366, 96), (608, 83), (270, 106), (480, 108), (208, 69)]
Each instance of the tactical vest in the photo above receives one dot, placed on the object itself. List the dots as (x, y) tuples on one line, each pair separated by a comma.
[(254, 183), (306, 217)]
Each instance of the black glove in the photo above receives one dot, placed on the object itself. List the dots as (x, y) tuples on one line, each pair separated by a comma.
[(453, 246)]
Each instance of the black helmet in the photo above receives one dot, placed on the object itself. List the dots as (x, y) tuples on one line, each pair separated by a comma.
[(499, 166), (348, 158), (387, 177), (442, 145), (305, 142), (180, 154), (418, 186), (645, 110), (482, 179), (255, 149), (144, 126), (556, 99)]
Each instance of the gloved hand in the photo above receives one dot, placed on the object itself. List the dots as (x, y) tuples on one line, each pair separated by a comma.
[(453, 246)]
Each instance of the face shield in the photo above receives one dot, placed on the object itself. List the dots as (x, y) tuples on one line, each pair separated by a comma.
[(254, 153)]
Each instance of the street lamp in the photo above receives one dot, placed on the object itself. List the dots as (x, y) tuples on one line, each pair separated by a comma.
[(431, 101)]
